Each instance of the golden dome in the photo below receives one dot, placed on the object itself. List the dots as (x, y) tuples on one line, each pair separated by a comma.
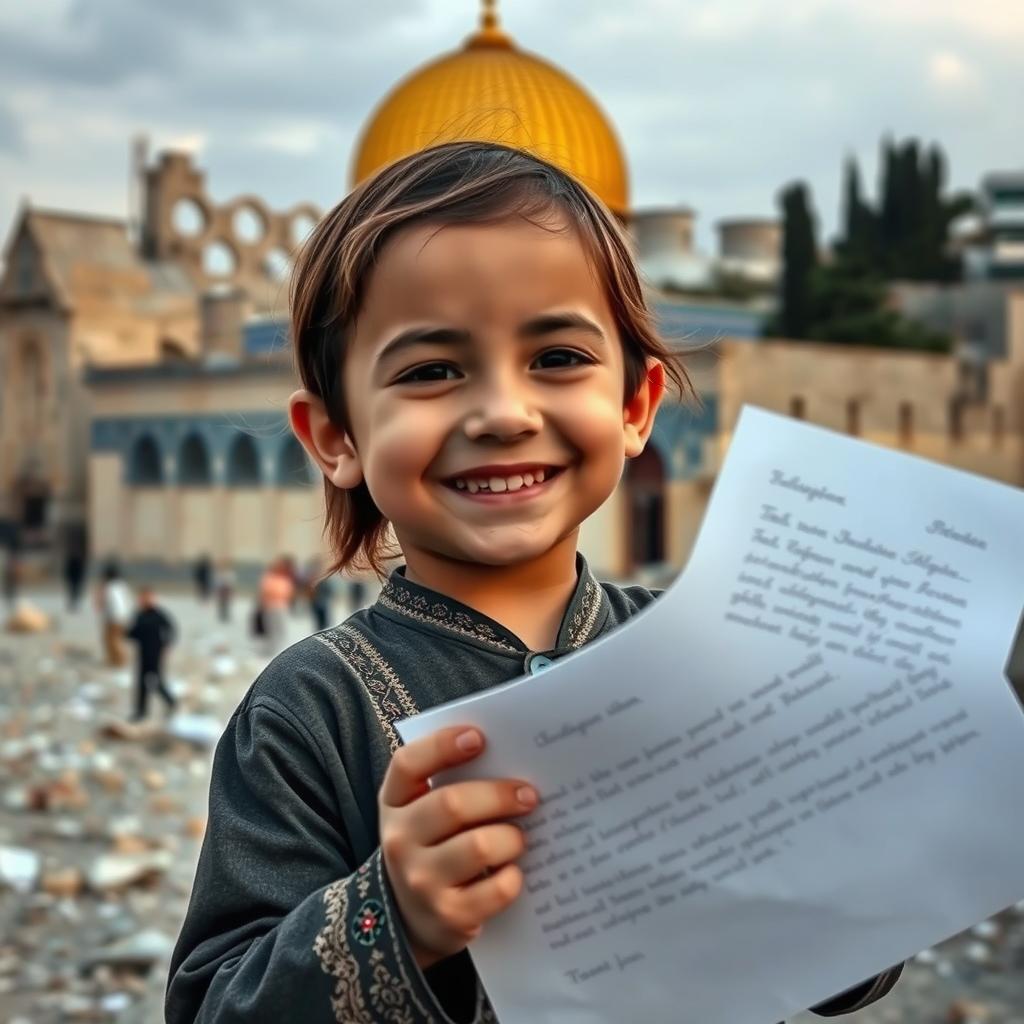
[(492, 91)]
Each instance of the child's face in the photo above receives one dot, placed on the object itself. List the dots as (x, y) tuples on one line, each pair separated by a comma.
[(523, 376)]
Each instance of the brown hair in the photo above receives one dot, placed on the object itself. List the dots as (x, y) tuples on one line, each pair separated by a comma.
[(458, 182)]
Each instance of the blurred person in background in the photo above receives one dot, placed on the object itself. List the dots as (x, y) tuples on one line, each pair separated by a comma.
[(357, 594), (75, 563), (203, 575), (153, 631), (277, 591), (224, 588), (114, 604), (320, 589), (12, 574)]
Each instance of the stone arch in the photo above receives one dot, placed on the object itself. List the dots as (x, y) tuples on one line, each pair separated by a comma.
[(194, 462), (243, 465), (293, 469), (145, 463), (646, 508)]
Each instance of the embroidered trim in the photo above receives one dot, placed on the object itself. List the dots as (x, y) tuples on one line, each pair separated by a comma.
[(418, 607), (389, 994), (391, 701), (335, 959), (585, 617)]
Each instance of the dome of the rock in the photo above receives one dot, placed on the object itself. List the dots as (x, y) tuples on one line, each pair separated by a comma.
[(491, 90)]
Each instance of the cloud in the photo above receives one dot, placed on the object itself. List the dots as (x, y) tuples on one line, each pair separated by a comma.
[(12, 139), (718, 103)]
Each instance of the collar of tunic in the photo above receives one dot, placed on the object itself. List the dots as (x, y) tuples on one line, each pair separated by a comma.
[(402, 600)]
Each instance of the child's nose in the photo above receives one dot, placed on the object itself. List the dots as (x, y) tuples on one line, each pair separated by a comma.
[(504, 412)]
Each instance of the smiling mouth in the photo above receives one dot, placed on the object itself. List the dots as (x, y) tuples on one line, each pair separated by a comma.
[(531, 479)]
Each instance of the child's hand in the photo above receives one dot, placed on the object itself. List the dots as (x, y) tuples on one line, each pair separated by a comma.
[(448, 853)]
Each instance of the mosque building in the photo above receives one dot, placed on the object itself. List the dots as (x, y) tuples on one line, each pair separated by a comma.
[(144, 370)]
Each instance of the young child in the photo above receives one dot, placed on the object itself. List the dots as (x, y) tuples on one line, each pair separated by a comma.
[(478, 363)]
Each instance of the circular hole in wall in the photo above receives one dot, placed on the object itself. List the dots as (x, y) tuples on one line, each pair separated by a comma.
[(248, 225), (187, 218), (277, 264), (219, 259), (301, 225)]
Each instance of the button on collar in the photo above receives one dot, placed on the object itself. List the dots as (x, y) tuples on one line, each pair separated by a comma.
[(536, 663)]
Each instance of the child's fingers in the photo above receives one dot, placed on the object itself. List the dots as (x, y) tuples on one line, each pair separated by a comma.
[(465, 857), (463, 805), (413, 764), (480, 901)]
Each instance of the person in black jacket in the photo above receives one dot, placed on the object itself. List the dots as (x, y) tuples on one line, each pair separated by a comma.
[(153, 630)]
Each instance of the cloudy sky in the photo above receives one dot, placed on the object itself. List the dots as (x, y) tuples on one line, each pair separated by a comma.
[(718, 103)]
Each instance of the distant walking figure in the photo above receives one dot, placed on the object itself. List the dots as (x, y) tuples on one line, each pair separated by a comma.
[(153, 630), (275, 597), (114, 602), (224, 586), (203, 574)]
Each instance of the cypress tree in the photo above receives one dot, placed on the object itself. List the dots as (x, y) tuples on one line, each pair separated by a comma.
[(858, 245), (800, 257)]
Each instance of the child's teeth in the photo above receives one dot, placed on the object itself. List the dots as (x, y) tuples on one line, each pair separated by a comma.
[(497, 484), (538, 476), (528, 479), (461, 484), (515, 482), (473, 486)]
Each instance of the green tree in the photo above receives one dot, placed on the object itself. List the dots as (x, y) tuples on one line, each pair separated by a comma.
[(800, 257)]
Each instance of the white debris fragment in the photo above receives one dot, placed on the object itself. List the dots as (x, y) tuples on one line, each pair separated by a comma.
[(19, 868), (199, 730), (140, 950), (118, 870), (223, 666)]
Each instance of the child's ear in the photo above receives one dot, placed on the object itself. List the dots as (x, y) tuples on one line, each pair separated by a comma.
[(330, 448), (639, 412)]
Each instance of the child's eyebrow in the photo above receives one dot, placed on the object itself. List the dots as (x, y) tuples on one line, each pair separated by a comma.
[(547, 323)]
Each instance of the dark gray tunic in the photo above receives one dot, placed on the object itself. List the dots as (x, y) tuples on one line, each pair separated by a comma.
[(291, 917)]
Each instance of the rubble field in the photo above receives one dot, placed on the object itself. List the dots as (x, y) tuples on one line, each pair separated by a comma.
[(101, 823)]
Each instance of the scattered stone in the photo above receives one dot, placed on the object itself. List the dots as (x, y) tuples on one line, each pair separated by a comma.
[(964, 1011), (19, 868), (27, 618), (115, 871), (140, 950), (66, 882), (115, 1002), (201, 731), (223, 666), (117, 729), (154, 779), (978, 952)]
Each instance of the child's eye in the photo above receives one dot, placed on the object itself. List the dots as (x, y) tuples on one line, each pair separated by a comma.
[(429, 373), (557, 358)]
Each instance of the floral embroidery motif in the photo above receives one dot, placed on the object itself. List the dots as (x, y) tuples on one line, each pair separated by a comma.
[(368, 923), (390, 700), (435, 613), (391, 997)]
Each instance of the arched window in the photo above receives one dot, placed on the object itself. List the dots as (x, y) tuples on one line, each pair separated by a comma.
[(292, 465), (145, 467), (32, 387), (244, 463), (194, 462)]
